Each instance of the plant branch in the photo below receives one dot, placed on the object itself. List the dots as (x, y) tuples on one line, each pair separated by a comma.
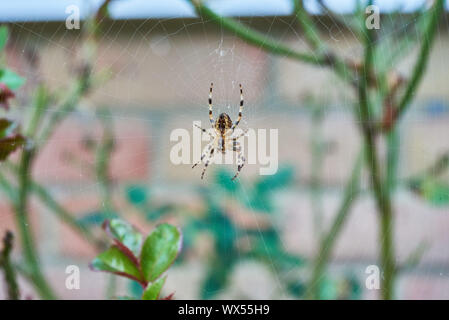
[(382, 196), (421, 63), (252, 36), (440, 166), (310, 32), (8, 268), (103, 155), (319, 46), (67, 106), (392, 159), (268, 44), (351, 192), (24, 227), (414, 257)]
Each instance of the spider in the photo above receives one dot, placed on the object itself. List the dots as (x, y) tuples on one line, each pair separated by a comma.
[(222, 139)]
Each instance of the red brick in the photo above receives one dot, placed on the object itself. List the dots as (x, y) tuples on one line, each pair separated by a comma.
[(93, 284), (415, 221), (129, 160), (72, 244), (7, 222), (428, 286), (424, 143)]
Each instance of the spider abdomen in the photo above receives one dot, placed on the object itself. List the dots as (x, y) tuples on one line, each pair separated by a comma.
[(223, 123)]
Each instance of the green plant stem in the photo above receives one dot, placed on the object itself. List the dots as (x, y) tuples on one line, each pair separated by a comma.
[(421, 63), (317, 147), (351, 193), (439, 167), (258, 39), (103, 155), (414, 257), (10, 274), (21, 206), (382, 195), (392, 159), (318, 45), (24, 227), (310, 32), (67, 106), (254, 37), (24, 175), (41, 102)]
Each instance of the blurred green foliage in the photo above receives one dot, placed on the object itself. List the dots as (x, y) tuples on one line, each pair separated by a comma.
[(233, 243), (432, 190), (143, 260)]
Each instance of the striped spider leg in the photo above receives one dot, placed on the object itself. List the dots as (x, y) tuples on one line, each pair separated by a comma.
[(236, 123), (236, 147), (211, 118), (207, 155)]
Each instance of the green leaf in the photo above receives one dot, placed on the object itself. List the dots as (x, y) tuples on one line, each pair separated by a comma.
[(436, 192), (10, 144), (281, 178), (115, 261), (157, 213), (160, 250), (223, 179), (327, 289), (296, 288), (9, 140), (137, 195), (3, 37), (7, 127), (217, 276), (126, 234), (268, 247), (354, 288), (95, 218), (135, 289), (11, 79), (153, 289)]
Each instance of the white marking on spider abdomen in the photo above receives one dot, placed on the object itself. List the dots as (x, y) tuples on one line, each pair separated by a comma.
[(221, 144)]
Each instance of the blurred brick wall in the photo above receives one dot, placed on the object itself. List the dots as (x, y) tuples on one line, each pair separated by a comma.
[(161, 79)]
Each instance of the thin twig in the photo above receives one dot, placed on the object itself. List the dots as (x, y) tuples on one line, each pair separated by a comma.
[(382, 195), (351, 193), (102, 159), (24, 227), (270, 45), (421, 62), (5, 262)]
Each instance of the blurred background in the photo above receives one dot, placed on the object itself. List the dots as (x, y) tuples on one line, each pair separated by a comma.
[(253, 239)]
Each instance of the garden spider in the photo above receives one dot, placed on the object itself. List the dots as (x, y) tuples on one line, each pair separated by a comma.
[(222, 139)]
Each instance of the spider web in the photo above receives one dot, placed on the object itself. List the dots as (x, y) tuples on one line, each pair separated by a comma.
[(187, 56)]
